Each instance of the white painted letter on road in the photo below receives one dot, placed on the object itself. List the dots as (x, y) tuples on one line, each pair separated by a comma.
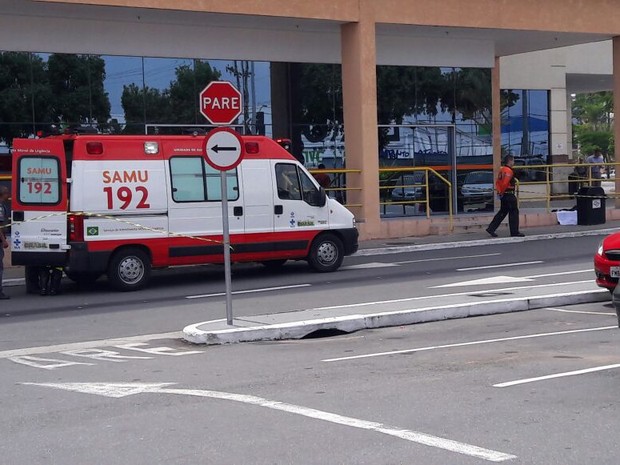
[(157, 350), (45, 363)]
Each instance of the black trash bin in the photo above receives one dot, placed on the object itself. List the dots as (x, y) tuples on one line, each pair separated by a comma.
[(591, 205)]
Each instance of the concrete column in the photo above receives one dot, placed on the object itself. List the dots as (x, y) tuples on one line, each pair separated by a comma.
[(359, 82), (496, 109), (616, 71), (559, 144), (569, 127)]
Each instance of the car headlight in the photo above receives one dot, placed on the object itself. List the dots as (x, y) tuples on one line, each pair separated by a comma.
[(600, 249)]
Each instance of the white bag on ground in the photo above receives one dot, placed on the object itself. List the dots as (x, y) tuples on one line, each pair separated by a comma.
[(567, 218)]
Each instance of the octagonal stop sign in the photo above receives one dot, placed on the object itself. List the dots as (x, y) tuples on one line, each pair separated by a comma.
[(220, 102)]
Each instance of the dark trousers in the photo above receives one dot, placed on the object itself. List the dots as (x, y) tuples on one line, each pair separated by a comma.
[(508, 207)]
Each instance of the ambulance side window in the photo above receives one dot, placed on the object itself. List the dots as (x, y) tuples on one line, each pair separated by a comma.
[(288, 182), (310, 192), (214, 184), (195, 181), (39, 180)]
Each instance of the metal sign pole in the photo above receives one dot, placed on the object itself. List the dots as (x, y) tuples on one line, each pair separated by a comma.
[(226, 230)]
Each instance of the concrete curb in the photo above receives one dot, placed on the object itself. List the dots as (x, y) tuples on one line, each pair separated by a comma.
[(480, 242), (13, 282), (351, 323)]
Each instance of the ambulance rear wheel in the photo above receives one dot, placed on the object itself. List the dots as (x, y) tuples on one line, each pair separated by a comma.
[(326, 253), (129, 270)]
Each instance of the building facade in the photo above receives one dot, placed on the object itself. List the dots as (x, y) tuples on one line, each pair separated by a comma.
[(484, 77)]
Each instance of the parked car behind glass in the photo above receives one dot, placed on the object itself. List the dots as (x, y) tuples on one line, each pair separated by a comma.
[(477, 189)]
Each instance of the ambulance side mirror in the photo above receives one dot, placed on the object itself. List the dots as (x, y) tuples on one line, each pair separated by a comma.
[(316, 198), (321, 197)]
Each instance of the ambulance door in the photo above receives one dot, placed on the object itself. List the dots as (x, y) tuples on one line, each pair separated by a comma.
[(299, 204), (257, 191), (195, 210), (39, 202)]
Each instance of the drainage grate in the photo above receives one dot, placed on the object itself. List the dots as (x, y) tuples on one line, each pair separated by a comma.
[(321, 333)]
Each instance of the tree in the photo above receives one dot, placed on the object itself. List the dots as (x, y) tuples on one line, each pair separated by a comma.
[(593, 126), (78, 94), (144, 105), (177, 104), (24, 94), (184, 91)]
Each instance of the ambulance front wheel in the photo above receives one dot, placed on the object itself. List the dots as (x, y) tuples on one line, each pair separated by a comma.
[(129, 270), (326, 253)]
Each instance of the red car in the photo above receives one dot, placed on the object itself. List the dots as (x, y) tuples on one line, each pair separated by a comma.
[(607, 262)]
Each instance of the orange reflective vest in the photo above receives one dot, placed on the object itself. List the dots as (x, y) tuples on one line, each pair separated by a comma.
[(505, 180)]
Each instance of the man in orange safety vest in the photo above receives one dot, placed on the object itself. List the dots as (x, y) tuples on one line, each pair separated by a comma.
[(505, 187)]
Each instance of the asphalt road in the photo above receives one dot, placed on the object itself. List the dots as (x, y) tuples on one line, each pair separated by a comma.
[(184, 296), (93, 376), (424, 394)]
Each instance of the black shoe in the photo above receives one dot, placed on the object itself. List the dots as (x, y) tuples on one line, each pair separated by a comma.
[(492, 233), (3, 296), (518, 235)]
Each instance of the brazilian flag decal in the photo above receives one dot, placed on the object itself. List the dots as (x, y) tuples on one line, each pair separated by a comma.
[(92, 231)]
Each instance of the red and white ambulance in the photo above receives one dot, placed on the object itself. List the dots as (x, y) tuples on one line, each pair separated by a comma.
[(123, 205)]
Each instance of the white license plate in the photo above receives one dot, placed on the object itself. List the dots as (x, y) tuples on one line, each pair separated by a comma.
[(614, 271)]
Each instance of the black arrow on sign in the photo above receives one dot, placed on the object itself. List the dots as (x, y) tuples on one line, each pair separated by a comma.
[(218, 149)]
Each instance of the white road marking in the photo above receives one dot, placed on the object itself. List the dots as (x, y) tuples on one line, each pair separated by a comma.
[(448, 258), (370, 265), (88, 344), (557, 375), (471, 343), (503, 265), (101, 355), (249, 291), (45, 363), (125, 389), (486, 281), (561, 273), (456, 294), (578, 311)]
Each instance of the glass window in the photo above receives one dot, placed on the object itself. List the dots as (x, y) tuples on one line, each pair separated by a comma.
[(39, 180), (188, 179), (195, 181), (310, 192), (525, 124), (288, 181), (214, 184)]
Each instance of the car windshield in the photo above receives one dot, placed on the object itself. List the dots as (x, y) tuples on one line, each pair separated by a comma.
[(479, 177)]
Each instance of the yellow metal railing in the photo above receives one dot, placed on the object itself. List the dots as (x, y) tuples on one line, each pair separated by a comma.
[(429, 173), (545, 177), (338, 185)]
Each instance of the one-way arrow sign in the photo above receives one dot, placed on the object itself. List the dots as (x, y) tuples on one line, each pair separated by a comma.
[(223, 149), (218, 149)]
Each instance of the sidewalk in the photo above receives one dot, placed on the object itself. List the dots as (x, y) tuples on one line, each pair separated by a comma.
[(295, 325)]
